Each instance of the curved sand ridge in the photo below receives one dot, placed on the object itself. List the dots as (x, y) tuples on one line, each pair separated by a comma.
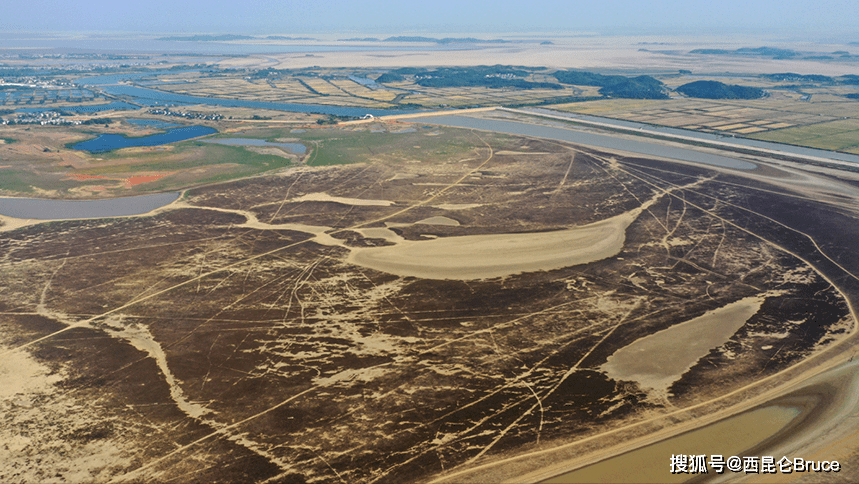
[(498, 255), (472, 257)]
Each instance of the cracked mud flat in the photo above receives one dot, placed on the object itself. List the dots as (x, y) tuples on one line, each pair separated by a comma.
[(232, 339)]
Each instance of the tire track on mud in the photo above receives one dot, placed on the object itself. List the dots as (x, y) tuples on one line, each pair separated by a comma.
[(246, 260), (226, 430), (763, 395)]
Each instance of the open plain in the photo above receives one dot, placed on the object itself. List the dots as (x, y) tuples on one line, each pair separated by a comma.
[(378, 321), (480, 295)]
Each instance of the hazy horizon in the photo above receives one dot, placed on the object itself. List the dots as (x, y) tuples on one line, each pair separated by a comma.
[(830, 20)]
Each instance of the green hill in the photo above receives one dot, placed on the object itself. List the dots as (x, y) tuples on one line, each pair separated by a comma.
[(719, 90)]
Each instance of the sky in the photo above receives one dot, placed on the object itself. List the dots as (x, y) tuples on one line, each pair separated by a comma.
[(804, 19)]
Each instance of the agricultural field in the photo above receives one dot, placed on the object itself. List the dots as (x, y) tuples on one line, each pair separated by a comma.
[(794, 111), (839, 135), (338, 87), (784, 117)]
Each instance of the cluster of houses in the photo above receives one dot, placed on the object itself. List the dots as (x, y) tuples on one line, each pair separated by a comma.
[(188, 115), (36, 83), (42, 118)]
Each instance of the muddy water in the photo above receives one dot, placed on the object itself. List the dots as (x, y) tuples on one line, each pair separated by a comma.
[(43, 209), (658, 360), (590, 139), (729, 437)]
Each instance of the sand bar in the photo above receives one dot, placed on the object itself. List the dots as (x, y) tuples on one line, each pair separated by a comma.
[(324, 197), (658, 360), (498, 255)]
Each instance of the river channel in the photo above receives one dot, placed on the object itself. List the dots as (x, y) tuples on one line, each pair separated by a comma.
[(588, 139), (740, 142)]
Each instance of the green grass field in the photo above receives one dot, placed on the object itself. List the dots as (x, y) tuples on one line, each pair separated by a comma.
[(341, 146), (841, 135)]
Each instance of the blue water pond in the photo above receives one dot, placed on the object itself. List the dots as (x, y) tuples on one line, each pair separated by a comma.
[(109, 142)]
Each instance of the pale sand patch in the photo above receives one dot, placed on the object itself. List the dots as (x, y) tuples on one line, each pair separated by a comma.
[(391, 225), (658, 360), (389, 235), (382, 233), (140, 337), (347, 376), (20, 374), (457, 206), (324, 197), (35, 421), (498, 255), (8, 224), (439, 220), (269, 150), (402, 176)]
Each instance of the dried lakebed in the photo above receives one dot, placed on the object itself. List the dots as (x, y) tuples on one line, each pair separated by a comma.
[(230, 337), (470, 257)]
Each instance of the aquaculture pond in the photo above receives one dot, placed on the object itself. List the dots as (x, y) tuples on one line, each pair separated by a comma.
[(109, 142), (151, 97), (94, 108)]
